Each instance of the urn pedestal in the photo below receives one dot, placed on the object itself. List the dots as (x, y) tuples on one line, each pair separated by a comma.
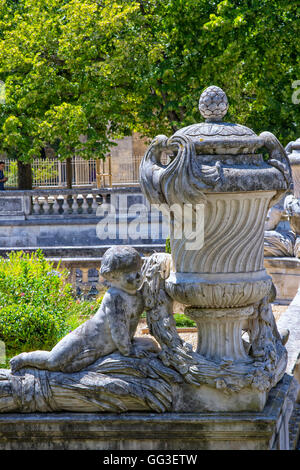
[(226, 274)]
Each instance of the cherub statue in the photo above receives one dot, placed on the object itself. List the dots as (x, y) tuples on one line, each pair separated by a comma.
[(111, 329)]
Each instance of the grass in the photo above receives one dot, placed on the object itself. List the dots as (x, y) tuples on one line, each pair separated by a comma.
[(183, 321)]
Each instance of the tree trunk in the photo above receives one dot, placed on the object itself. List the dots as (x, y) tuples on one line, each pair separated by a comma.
[(24, 175), (69, 173)]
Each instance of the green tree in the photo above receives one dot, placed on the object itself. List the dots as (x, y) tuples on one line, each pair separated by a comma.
[(50, 53), (179, 47), (158, 55)]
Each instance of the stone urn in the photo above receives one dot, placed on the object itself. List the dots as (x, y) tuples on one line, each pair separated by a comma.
[(230, 177)]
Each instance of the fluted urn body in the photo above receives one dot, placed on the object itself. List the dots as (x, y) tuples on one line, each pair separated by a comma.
[(218, 187)]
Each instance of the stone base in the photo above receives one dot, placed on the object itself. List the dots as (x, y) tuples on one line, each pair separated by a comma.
[(285, 273), (148, 431), (203, 398)]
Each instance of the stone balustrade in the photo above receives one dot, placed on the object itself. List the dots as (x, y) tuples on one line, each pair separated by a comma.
[(58, 202), (83, 274), (48, 218), (83, 264), (65, 204)]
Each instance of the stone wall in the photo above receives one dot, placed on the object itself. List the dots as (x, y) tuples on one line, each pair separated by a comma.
[(56, 218)]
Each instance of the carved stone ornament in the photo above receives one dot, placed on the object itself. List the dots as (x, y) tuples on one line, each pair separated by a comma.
[(221, 280)]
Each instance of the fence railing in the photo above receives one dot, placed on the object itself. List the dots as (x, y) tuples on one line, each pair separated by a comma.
[(53, 173)]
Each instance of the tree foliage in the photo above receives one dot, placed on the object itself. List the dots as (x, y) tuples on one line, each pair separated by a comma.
[(102, 68), (52, 60), (249, 48)]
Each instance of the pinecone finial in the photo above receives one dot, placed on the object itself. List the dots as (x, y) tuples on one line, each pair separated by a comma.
[(213, 104)]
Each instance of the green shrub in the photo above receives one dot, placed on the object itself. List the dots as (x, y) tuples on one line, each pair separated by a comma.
[(82, 310), (183, 321), (28, 327), (35, 302)]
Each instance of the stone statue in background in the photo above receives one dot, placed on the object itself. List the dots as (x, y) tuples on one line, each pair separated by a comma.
[(285, 241)]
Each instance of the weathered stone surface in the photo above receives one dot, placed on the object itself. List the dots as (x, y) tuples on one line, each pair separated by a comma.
[(290, 320), (293, 151), (112, 384), (71, 217), (282, 235), (84, 373), (111, 329), (83, 252), (223, 284), (224, 373), (281, 241), (12, 207), (213, 103), (221, 279), (149, 431), (285, 273), (279, 244)]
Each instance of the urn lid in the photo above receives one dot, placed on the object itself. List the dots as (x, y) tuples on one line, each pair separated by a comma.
[(214, 136)]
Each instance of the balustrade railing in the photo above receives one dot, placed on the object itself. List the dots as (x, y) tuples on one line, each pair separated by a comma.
[(66, 204), (59, 202), (83, 274)]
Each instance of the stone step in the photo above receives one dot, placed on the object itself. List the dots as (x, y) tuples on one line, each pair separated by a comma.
[(79, 251)]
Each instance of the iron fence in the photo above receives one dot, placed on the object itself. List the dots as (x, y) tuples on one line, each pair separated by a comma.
[(51, 173)]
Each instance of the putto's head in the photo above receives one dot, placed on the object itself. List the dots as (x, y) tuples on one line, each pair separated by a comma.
[(121, 266)]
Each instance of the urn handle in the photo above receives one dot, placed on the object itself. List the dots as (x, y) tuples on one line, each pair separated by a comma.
[(184, 179), (278, 157)]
